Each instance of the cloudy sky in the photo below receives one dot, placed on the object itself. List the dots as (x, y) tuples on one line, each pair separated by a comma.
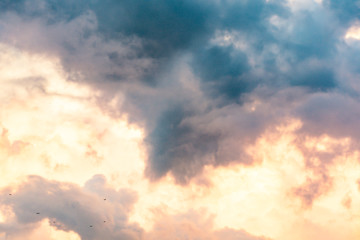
[(180, 119)]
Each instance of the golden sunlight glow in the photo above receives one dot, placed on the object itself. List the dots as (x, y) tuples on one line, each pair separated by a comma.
[(353, 32), (47, 232), (52, 127)]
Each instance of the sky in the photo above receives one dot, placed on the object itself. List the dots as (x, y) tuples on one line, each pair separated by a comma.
[(179, 119)]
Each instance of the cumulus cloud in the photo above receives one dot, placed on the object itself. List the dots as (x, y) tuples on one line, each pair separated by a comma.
[(96, 211), (70, 207)]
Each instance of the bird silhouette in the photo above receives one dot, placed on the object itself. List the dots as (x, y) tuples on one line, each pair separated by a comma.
[(37, 213)]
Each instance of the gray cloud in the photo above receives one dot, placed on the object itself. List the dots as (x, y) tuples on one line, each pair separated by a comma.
[(330, 113), (346, 11), (71, 208)]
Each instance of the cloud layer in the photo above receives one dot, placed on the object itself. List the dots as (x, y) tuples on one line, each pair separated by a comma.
[(158, 95)]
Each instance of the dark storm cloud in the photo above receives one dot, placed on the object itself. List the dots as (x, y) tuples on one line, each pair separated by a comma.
[(250, 15), (186, 139), (223, 71), (51, 10), (315, 78), (346, 10), (190, 71), (180, 147), (166, 26), (171, 26)]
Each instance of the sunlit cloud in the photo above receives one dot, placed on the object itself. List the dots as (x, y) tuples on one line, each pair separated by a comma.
[(353, 33)]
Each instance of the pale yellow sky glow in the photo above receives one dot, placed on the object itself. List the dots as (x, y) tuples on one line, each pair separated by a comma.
[(353, 32), (55, 129), (47, 232), (50, 121)]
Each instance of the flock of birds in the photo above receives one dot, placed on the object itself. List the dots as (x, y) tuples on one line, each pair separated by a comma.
[(38, 213)]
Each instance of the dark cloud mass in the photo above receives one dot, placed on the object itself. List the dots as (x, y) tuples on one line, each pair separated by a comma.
[(191, 70), (346, 10), (223, 71)]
